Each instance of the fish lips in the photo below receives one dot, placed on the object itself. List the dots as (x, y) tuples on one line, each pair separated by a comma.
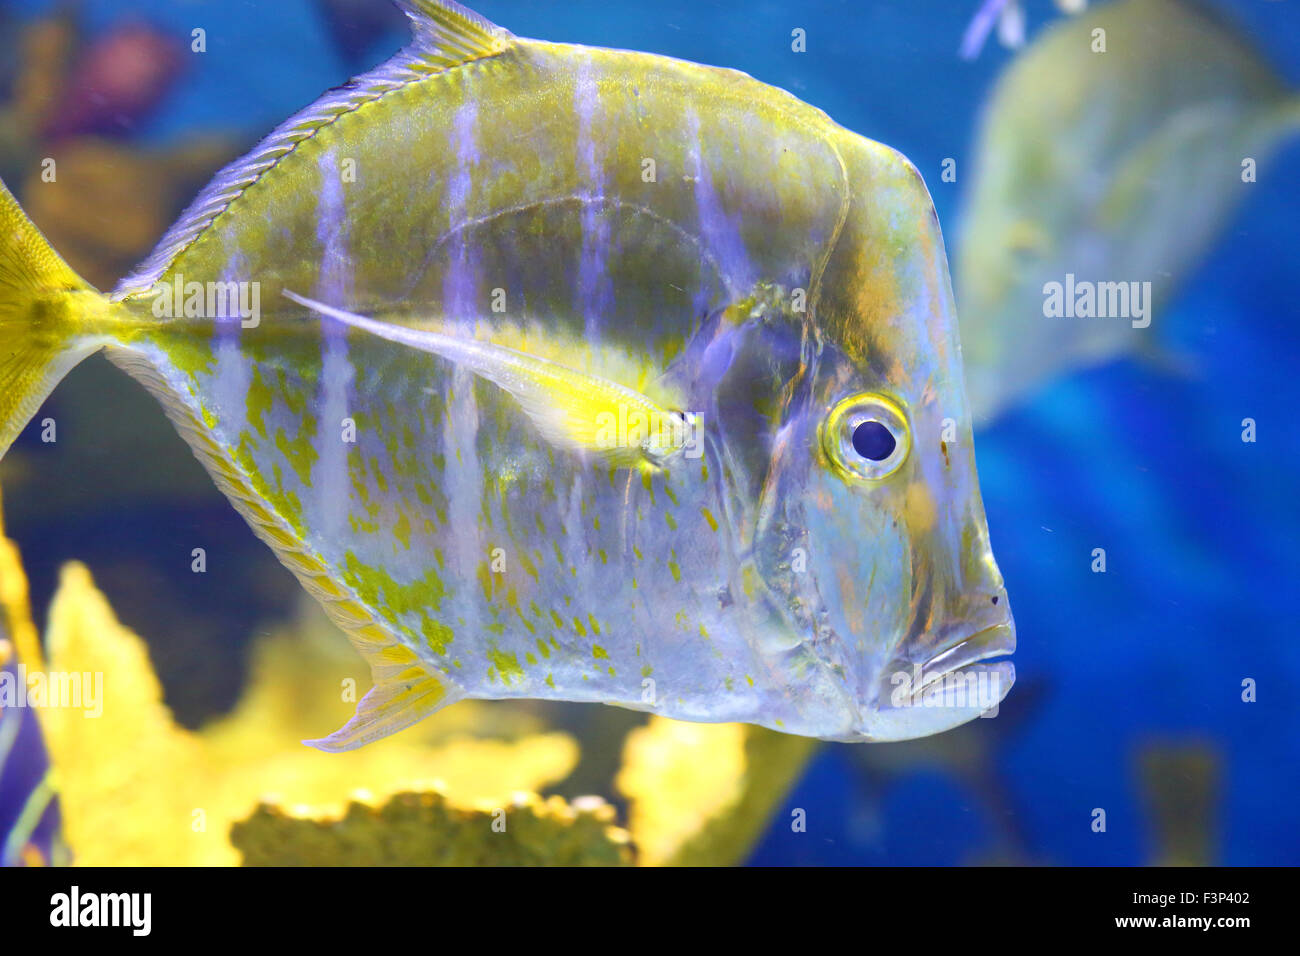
[(965, 679)]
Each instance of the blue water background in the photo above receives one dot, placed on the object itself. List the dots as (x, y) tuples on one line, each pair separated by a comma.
[(1200, 529)]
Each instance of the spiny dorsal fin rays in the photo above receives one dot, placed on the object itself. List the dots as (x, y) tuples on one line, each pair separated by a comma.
[(450, 34), (445, 36), (572, 409)]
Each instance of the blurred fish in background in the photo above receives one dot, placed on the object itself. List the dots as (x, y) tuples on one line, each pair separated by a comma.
[(1154, 167), (1111, 152), (1181, 783)]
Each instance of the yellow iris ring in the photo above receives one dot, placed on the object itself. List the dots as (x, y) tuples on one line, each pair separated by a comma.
[(844, 418)]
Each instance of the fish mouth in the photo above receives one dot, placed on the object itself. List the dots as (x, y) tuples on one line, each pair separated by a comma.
[(991, 643), (965, 679)]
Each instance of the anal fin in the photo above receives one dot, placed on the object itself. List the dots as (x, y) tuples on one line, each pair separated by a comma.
[(405, 690), (394, 703)]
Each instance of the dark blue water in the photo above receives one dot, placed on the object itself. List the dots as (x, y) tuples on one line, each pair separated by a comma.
[(1200, 529)]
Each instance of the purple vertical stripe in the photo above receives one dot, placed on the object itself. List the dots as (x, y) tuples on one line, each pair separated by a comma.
[(594, 292), (335, 286), (719, 232), (460, 283)]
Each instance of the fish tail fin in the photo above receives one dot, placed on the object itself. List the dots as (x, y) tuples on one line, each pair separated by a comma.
[(50, 319)]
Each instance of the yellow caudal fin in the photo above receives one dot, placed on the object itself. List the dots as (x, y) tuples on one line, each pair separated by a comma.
[(50, 319)]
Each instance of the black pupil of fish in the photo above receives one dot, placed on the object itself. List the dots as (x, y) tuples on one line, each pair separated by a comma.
[(873, 441)]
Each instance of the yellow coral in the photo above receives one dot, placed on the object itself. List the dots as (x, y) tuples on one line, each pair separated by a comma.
[(18, 645), (137, 789), (702, 794), (15, 610), (129, 780), (678, 776), (426, 829)]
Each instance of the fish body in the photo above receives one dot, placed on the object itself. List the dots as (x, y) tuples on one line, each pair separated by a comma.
[(1114, 167), (516, 233)]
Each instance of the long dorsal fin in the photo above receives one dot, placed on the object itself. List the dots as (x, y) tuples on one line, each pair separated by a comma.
[(446, 35), (450, 34)]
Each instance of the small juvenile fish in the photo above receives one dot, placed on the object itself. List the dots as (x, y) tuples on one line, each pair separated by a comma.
[(572, 373), (1104, 174)]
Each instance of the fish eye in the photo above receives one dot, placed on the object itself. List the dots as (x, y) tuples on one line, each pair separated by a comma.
[(866, 436), (873, 441)]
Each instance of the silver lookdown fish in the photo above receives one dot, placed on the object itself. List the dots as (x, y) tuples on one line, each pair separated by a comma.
[(572, 373)]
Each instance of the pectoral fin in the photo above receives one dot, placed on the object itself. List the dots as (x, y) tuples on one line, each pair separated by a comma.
[(573, 410)]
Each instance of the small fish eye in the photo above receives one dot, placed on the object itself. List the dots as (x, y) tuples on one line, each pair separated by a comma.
[(873, 441), (866, 436)]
